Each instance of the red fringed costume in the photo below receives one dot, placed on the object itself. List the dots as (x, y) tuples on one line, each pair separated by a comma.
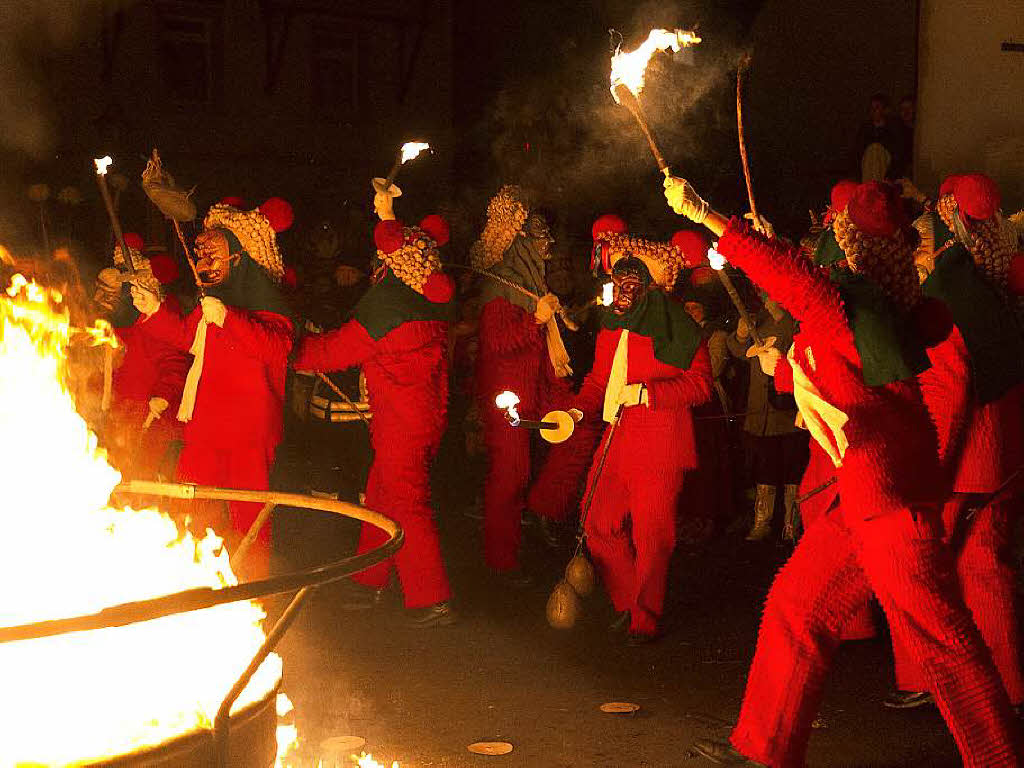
[(399, 335), (885, 536)]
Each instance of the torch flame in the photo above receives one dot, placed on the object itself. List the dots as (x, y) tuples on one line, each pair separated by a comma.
[(66, 552), (607, 295), (411, 149), (508, 401), (102, 163), (366, 761), (628, 69)]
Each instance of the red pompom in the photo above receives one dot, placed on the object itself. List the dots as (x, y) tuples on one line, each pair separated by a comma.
[(437, 228), (133, 240), (875, 209), (279, 213), (693, 244), (290, 278), (609, 224), (1015, 275), (165, 268), (388, 235), (841, 194), (977, 195), (701, 276), (439, 288), (948, 185), (933, 321), (233, 200)]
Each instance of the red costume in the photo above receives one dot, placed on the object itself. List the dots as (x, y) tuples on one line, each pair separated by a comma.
[(885, 537), (975, 402), (233, 409), (399, 335)]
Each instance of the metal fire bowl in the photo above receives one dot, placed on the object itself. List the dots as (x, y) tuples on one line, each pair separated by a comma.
[(253, 743), (252, 730)]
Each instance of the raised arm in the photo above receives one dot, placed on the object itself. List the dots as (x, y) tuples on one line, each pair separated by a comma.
[(261, 335)]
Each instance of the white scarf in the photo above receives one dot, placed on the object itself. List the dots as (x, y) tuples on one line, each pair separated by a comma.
[(823, 420), (617, 378), (188, 396)]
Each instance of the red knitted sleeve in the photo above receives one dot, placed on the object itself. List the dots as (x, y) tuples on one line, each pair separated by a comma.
[(788, 277), (263, 335), (505, 328), (336, 350), (690, 387)]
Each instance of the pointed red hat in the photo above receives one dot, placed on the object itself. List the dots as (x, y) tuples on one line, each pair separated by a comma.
[(977, 195)]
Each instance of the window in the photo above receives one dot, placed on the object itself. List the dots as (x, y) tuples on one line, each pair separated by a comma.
[(335, 70), (187, 55)]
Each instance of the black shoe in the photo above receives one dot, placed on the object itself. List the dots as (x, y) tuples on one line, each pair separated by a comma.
[(722, 753), (621, 623), (908, 699), (440, 615)]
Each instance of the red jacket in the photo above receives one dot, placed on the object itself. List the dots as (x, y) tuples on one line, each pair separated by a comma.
[(150, 367), (661, 431), (892, 459), (406, 376), (241, 392), (513, 355)]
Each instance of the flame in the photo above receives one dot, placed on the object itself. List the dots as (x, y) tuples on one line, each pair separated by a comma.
[(102, 163), (87, 695), (411, 149), (508, 401), (607, 294), (628, 69), (287, 733)]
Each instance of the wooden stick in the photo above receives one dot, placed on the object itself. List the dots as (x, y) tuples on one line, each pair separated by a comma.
[(250, 536), (632, 103), (115, 224), (744, 63), (188, 257), (738, 303)]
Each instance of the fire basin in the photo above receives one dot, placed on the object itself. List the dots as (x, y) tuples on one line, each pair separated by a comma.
[(253, 743)]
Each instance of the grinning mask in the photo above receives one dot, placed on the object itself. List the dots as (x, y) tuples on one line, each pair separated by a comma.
[(215, 256), (630, 281), (537, 229)]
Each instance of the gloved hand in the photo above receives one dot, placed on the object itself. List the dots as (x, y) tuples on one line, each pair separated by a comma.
[(761, 224), (157, 406), (633, 394), (214, 311), (577, 414), (742, 329), (769, 359), (715, 260), (145, 300), (547, 305), (684, 200)]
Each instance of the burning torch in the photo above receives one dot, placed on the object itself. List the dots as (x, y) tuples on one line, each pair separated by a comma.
[(629, 69), (409, 151), (102, 163), (556, 426)]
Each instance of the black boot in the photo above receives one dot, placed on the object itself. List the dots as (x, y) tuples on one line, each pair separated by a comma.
[(722, 753), (440, 615)]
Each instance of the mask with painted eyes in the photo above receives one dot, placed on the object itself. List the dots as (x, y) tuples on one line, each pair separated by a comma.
[(214, 257), (630, 282)]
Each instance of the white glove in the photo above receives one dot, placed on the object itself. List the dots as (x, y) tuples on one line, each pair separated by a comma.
[(547, 305), (684, 200), (761, 224), (214, 311), (769, 360), (715, 259), (157, 406), (145, 300), (633, 394)]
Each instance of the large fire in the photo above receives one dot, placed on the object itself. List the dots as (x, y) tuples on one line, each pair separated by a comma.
[(65, 552)]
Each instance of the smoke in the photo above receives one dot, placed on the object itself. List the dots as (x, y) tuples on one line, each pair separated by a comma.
[(31, 33), (561, 135)]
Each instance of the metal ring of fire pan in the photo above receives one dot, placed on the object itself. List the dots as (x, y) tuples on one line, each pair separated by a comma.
[(253, 743), (254, 727)]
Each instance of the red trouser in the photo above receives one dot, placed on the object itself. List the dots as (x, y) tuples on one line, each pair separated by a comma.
[(242, 466), (399, 487), (558, 483), (981, 548), (633, 563), (832, 572), (138, 453), (508, 474)]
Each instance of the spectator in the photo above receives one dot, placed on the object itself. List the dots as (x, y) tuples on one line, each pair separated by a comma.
[(877, 144)]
